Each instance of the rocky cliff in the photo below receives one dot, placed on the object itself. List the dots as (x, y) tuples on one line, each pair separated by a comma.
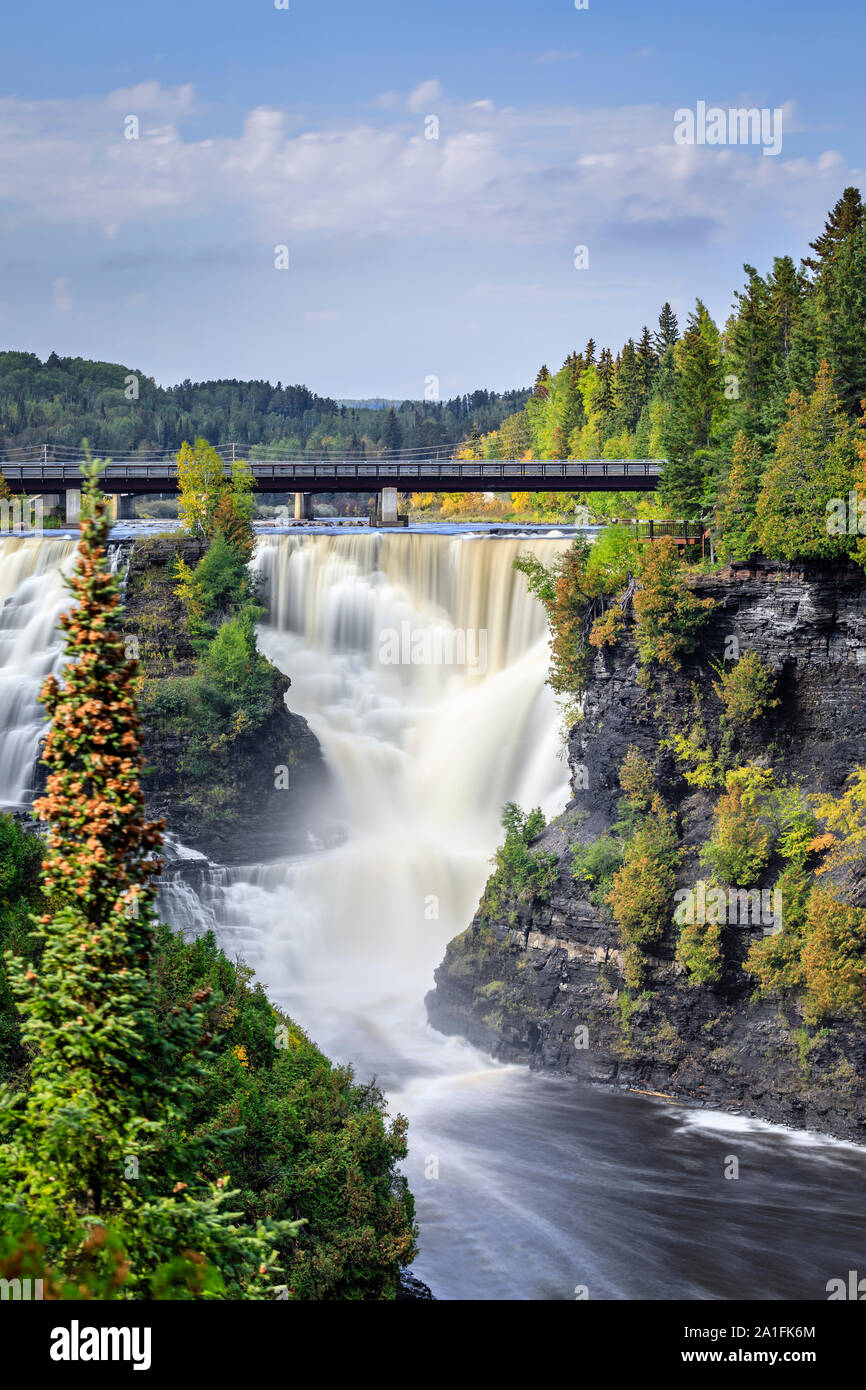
[(544, 985), (257, 798)]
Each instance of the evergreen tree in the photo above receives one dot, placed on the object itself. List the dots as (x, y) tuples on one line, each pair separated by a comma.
[(604, 399), (393, 435), (628, 402), (736, 519), (541, 390), (689, 432), (589, 353), (668, 333), (814, 469), (95, 1178), (845, 219), (646, 366)]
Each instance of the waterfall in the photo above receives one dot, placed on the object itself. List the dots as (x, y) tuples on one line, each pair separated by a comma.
[(526, 1187), (425, 755), (33, 596)]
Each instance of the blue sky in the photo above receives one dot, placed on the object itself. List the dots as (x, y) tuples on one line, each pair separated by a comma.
[(409, 257)]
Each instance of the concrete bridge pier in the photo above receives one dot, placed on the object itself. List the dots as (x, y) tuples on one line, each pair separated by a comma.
[(388, 507), (72, 506), (303, 506), (122, 506)]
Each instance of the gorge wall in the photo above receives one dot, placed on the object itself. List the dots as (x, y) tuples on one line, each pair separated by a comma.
[(544, 985), (252, 797)]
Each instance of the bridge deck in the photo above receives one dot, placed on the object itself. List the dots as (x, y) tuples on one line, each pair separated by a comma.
[(351, 475)]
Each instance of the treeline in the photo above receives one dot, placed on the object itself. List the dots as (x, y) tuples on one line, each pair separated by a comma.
[(756, 419), (120, 411)]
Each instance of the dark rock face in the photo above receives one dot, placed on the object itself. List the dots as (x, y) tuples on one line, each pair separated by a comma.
[(412, 1290), (544, 985), (268, 791)]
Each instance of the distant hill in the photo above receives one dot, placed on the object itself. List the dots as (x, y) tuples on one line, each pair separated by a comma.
[(120, 411)]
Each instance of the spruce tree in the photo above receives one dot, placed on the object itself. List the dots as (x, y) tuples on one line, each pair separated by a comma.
[(668, 333), (814, 467), (845, 219), (94, 1173), (690, 431), (736, 518)]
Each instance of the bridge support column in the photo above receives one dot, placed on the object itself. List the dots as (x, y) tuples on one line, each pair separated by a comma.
[(303, 506), (72, 506), (121, 506), (388, 507)]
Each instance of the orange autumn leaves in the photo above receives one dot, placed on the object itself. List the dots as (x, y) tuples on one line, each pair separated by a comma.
[(99, 842)]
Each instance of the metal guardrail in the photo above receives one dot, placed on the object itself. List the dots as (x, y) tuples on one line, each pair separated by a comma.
[(680, 530), (376, 472)]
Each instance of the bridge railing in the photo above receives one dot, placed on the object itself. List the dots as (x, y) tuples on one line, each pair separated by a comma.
[(684, 531), (398, 473)]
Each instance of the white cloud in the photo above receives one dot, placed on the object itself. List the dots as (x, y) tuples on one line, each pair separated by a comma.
[(63, 301), (424, 95), (532, 176)]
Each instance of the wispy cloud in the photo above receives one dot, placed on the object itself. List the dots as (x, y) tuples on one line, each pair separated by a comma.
[(532, 175), (556, 55)]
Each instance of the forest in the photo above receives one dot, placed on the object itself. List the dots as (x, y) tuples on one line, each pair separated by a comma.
[(766, 407), (122, 412)]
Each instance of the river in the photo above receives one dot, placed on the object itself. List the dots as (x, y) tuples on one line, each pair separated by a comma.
[(527, 1187)]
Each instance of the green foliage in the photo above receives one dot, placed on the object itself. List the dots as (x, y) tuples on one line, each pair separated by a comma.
[(834, 957), (741, 841), (814, 466), (94, 1160), (746, 689), (636, 779), (563, 591), (612, 558), (844, 819), (642, 889), (305, 1139), (520, 874), (691, 428), (736, 507), (796, 825), (670, 616), (701, 767), (596, 865), (777, 960), (699, 952)]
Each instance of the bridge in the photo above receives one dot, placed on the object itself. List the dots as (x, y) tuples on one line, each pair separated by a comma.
[(52, 470)]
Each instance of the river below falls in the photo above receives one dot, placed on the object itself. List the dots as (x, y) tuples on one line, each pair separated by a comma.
[(527, 1186)]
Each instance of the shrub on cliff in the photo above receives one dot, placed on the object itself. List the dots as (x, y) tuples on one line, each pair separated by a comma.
[(670, 616), (834, 957), (580, 578), (596, 865), (562, 591), (746, 689), (636, 779), (844, 818), (740, 845), (521, 874), (640, 898), (699, 951), (777, 960)]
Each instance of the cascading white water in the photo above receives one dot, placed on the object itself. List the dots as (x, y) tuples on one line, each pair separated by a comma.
[(33, 596), (526, 1188), (425, 756)]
